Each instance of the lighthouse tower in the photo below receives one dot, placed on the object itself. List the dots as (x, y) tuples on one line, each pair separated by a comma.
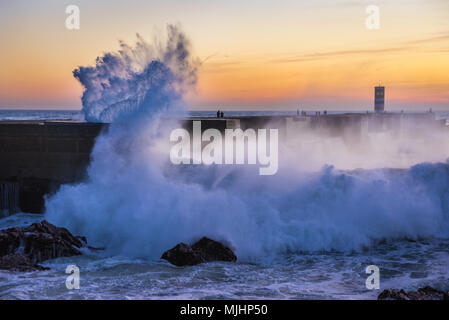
[(379, 99)]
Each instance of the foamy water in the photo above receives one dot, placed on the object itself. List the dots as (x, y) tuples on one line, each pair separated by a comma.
[(309, 237), (403, 264), (334, 207)]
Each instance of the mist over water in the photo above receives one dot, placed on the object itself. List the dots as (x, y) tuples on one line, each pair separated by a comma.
[(136, 204)]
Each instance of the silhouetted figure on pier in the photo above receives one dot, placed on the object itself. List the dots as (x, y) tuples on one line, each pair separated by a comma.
[(218, 114), (222, 114)]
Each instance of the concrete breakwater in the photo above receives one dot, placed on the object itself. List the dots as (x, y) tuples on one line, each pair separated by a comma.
[(36, 157), (39, 156), (9, 198)]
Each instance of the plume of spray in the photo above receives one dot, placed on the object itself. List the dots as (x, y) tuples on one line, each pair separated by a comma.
[(136, 204), (141, 79)]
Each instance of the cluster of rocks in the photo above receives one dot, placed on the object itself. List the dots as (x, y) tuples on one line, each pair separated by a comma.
[(21, 249), (426, 293), (204, 250)]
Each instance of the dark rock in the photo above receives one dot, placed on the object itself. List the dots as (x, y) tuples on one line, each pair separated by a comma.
[(18, 262), (393, 294), (426, 293), (204, 250), (182, 255), (38, 242), (95, 249), (211, 250)]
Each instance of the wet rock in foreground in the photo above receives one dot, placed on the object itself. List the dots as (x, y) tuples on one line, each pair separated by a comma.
[(426, 293), (204, 250), (23, 248), (18, 262)]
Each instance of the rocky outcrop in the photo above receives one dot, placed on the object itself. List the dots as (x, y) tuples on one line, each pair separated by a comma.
[(426, 293), (204, 250), (182, 255), (210, 250), (18, 262), (23, 248)]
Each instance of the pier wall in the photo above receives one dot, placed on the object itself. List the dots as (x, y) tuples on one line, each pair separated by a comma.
[(39, 156)]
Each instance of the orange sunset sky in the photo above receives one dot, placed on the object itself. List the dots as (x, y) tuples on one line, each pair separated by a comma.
[(260, 55)]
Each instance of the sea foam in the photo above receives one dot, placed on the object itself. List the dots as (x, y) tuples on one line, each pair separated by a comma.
[(135, 203)]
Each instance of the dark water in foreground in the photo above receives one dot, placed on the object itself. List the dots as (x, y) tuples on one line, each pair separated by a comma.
[(402, 264)]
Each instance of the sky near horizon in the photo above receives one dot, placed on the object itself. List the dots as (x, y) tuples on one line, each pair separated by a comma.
[(261, 55)]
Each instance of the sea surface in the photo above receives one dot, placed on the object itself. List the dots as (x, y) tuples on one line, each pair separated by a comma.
[(305, 269), (77, 115), (70, 115), (403, 264)]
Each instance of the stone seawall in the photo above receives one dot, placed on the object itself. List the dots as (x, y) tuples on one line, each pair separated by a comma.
[(40, 156), (9, 198)]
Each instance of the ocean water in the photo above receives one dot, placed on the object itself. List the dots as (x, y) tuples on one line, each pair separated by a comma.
[(336, 205), (75, 115), (309, 240), (403, 264), (69, 115)]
